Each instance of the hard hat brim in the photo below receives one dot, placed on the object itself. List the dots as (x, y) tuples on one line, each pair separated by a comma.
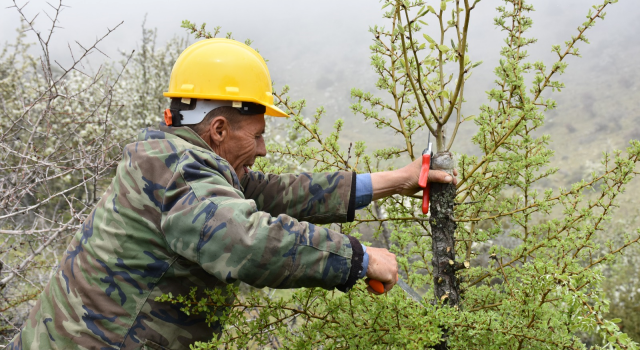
[(272, 110), (275, 112)]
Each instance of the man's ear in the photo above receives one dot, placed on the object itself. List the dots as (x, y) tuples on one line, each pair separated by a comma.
[(218, 130)]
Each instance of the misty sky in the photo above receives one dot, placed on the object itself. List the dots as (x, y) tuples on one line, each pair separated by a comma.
[(321, 48)]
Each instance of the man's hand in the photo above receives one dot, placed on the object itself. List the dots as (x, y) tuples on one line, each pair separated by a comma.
[(405, 180), (412, 173), (383, 267)]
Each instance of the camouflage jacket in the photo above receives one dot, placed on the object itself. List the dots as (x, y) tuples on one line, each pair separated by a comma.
[(175, 217)]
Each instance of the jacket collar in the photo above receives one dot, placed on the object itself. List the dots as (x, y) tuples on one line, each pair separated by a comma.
[(182, 132)]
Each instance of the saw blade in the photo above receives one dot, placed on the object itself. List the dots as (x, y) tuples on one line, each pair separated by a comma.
[(407, 289)]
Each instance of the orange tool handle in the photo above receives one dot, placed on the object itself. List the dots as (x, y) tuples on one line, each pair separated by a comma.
[(377, 286), (422, 181)]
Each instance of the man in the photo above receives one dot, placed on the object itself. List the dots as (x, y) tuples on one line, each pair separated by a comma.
[(184, 210)]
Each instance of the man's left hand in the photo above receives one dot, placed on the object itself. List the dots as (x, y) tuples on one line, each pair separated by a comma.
[(405, 180), (412, 173)]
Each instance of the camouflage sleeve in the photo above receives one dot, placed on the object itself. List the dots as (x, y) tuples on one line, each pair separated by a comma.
[(319, 198), (211, 223)]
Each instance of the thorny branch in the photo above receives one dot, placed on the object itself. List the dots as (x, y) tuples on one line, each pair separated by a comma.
[(57, 147)]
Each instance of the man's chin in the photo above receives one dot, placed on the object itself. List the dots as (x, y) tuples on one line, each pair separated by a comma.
[(243, 171)]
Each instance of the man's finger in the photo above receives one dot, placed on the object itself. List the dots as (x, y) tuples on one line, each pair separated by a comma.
[(440, 176), (370, 290), (388, 286)]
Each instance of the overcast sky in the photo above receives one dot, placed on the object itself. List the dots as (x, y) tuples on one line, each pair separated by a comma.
[(320, 48), (305, 41)]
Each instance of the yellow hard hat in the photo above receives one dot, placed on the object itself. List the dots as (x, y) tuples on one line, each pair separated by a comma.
[(223, 69)]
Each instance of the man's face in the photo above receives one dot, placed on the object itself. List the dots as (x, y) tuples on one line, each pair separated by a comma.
[(244, 144)]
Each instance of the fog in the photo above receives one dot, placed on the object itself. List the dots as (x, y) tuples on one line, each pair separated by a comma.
[(321, 50)]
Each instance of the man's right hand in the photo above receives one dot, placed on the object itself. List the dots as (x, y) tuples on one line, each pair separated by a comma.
[(383, 267)]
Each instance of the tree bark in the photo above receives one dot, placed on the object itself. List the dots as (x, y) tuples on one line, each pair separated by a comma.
[(441, 198)]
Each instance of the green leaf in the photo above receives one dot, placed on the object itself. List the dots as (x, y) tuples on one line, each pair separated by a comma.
[(616, 320), (443, 48), (443, 5), (429, 38)]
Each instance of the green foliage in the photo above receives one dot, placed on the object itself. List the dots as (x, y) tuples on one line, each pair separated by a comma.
[(315, 317), (622, 282), (536, 277)]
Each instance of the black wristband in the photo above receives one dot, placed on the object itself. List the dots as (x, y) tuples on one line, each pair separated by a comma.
[(357, 258), (351, 210)]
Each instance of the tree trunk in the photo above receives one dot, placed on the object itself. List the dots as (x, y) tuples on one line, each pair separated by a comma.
[(443, 227)]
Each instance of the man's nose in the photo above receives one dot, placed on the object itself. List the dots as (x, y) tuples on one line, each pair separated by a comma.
[(262, 149)]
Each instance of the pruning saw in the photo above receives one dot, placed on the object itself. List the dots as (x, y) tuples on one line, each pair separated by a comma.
[(379, 287)]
